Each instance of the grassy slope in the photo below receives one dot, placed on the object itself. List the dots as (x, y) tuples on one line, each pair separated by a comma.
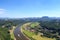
[(33, 25), (38, 37), (12, 34), (28, 33)]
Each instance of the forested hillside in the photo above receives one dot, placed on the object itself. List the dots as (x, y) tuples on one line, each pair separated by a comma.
[(4, 34)]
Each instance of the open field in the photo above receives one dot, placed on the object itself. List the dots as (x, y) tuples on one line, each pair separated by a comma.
[(38, 37), (33, 25)]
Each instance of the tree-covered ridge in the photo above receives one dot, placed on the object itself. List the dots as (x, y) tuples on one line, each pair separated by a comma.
[(50, 28)]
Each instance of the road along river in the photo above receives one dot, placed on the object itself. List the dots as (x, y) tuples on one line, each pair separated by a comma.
[(18, 34)]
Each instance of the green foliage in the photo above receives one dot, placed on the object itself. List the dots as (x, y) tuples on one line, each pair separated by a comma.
[(4, 35), (34, 24), (28, 33)]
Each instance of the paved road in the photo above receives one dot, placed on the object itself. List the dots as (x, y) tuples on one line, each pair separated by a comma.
[(18, 35)]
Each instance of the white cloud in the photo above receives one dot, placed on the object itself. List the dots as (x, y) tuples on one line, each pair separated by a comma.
[(2, 11)]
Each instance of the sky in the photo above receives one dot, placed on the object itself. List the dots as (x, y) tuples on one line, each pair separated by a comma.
[(29, 8)]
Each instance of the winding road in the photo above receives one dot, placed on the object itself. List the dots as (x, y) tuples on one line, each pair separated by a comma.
[(18, 34)]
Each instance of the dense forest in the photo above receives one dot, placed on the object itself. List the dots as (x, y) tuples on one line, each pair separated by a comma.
[(51, 28)]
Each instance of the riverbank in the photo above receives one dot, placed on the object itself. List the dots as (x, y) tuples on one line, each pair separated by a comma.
[(12, 34)]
